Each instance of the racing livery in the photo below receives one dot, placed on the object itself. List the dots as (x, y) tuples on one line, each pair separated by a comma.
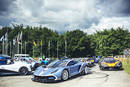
[(59, 70), (110, 63)]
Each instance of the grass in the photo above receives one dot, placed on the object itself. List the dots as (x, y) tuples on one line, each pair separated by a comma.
[(126, 64), (126, 67)]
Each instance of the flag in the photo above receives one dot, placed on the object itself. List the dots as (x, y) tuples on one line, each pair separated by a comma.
[(20, 36), (6, 37), (2, 38), (41, 42), (34, 43), (17, 38), (14, 41)]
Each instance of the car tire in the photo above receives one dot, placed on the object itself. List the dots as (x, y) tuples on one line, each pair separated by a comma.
[(35, 66), (101, 68), (33, 79), (86, 70), (23, 71), (65, 75)]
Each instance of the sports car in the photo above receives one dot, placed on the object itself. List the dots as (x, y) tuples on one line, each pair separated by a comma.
[(110, 63), (60, 70), (4, 59), (92, 60), (21, 67)]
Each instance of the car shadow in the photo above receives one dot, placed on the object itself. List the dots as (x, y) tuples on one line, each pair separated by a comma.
[(6, 74), (72, 78), (113, 69), (91, 66)]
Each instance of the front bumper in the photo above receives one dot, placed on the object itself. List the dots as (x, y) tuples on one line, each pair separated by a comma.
[(111, 67), (44, 78)]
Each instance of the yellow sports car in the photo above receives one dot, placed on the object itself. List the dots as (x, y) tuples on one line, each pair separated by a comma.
[(110, 63), (91, 60)]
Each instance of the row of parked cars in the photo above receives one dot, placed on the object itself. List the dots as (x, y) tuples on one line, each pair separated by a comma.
[(60, 69), (20, 63)]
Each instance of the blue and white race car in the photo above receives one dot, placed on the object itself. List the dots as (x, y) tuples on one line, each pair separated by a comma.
[(60, 70)]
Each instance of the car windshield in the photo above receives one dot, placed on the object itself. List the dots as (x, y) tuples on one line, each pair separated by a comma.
[(57, 63), (109, 60), (27, 60)]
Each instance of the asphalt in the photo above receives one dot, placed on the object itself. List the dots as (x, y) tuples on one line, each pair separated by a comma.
[(96, 78)]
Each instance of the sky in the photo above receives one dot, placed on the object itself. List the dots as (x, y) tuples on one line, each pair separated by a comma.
[(64, 15)]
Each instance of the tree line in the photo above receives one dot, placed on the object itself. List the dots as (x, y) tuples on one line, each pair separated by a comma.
[(74, 43)]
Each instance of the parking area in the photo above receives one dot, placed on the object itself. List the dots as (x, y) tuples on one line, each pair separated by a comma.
[(94, 79)]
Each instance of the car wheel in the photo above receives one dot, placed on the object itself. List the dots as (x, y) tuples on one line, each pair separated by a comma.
[(120, 68), (101, 68), (33, 79), (65, 75), (35, 66), (86, 70), (23, 71)]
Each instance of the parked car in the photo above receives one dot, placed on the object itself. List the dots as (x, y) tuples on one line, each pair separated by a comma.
[(89, 63), (41, 62), (4, 59), (23, 68), (31, 61), (59, 70), (110, 63)]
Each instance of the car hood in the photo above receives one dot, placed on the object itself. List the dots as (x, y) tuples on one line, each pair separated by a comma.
[(42, 71), (111, 64)]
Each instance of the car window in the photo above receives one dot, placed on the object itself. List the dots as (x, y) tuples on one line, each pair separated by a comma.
[(72, 63), (109, 60), (57, 63), (10, 62)]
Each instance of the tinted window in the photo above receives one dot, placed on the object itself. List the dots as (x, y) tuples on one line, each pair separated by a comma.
[(109, 60), (57, 63), (72, 63)]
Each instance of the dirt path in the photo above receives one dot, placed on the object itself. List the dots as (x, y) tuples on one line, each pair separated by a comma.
[(97, 78)]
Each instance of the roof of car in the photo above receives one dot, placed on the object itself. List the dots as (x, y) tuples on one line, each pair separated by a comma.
[(108, 58)]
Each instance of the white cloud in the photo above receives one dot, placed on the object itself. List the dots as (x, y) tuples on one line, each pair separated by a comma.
[(0, 27), (108, 23), (56, 13), (63, 15)]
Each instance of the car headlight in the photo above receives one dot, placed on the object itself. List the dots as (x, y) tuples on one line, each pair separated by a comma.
[(54, 71), (103, 64)]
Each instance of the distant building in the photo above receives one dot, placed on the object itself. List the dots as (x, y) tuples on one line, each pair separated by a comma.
[(127, 51)]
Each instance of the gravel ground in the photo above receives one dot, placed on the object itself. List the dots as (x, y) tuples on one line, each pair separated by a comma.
[(96, 78)]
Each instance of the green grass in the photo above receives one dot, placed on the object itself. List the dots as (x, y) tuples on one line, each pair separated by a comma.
[(126, 66)]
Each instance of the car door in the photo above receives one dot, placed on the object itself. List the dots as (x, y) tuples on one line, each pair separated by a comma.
[(73, 67), (9, 67)]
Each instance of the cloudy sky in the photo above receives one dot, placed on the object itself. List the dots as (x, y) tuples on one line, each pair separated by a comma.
[(63, 15)]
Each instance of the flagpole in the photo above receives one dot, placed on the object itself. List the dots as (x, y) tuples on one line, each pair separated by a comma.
[(6, 48), (10, 48), (41, 47), (25, 47), (7, 43), (2, 46), (57, 49), (33, 51), (65, 47), (49, 48), (21, 41), (18, 48), (21, 47)]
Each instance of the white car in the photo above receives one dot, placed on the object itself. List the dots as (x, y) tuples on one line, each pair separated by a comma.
[(23, 68)]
